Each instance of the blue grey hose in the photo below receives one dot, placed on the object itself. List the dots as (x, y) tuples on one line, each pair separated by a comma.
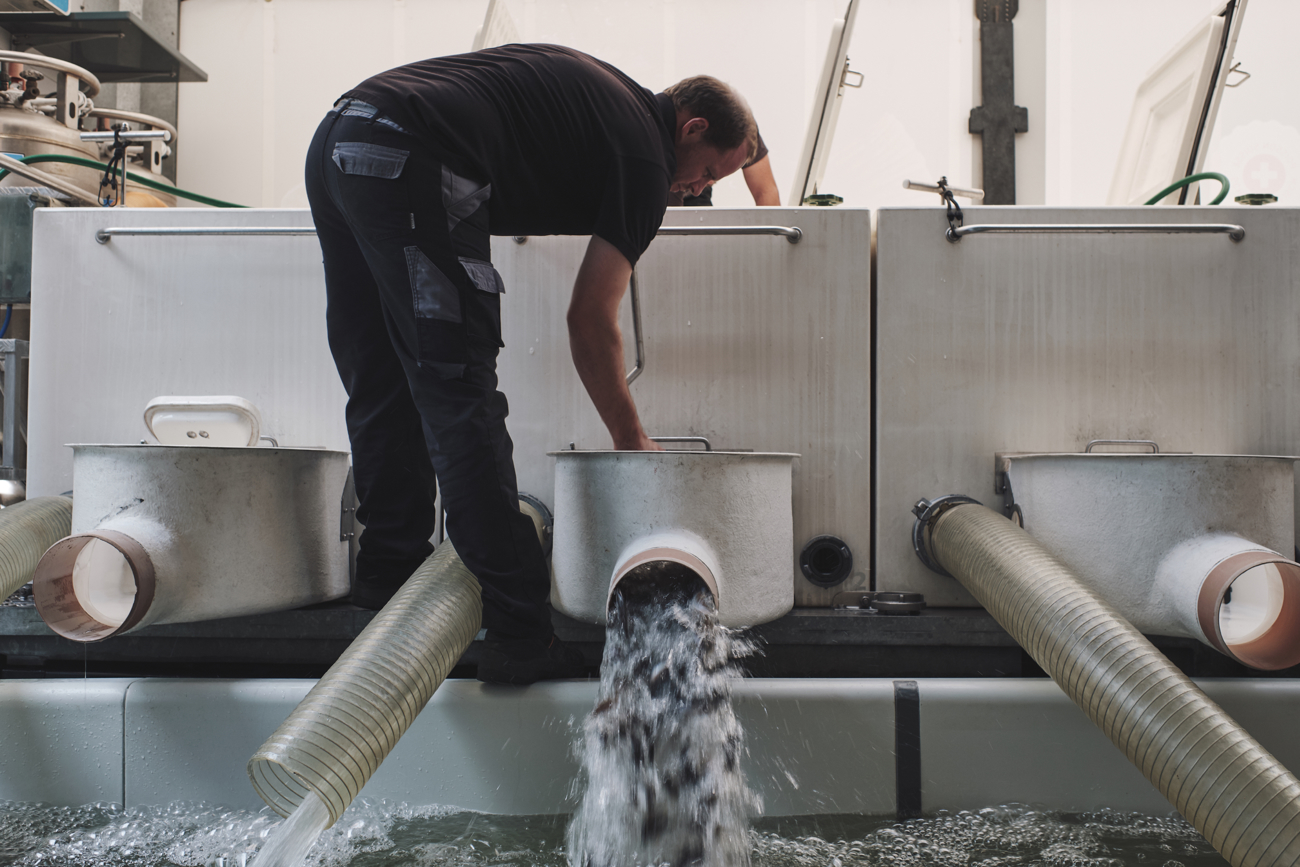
[(1217, 776), (27, 530)]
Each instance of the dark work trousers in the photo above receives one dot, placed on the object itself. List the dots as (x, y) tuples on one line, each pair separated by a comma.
[(415, 326)]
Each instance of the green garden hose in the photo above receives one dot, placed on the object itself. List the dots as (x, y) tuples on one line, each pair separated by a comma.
[(1191, 179), (133, 176)]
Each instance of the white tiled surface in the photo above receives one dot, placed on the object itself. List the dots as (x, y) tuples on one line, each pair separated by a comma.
[(63, 740), (988, 742), (189, 740), (820, 746), (815, 746)]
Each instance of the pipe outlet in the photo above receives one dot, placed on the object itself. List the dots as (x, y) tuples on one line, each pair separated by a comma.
[(1237, 596), (679, 547), (1183, 545), (175, 534), (725, 516), (97, 584)]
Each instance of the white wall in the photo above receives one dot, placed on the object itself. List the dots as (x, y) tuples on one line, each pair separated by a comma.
[(275, 66)]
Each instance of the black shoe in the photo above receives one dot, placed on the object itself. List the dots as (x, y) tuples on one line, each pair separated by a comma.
[(521, 661), (372, 593), (379, 579)]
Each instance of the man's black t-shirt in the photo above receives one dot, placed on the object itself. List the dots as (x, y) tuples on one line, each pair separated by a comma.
[(570, 145)]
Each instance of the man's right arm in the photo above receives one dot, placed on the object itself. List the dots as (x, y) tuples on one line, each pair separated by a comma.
[(597, 344)]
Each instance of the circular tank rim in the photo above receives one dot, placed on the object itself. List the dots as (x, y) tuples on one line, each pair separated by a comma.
[(673, 452), (1165, 456), (200, 448)]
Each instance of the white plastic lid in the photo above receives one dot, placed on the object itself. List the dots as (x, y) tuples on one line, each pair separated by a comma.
[(203, 420)]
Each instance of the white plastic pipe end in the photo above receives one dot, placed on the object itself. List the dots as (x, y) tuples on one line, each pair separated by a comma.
[(93, 585), (1249, 608), (680, 547)]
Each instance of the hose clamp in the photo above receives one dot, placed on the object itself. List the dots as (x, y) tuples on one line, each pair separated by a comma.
[(927, 512)]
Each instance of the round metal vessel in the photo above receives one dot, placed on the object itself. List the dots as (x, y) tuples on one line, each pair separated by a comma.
[(172, 534), (1190, 545), (27, 132), (727, 516)]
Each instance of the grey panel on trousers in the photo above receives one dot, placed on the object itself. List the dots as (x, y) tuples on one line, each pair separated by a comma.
[(63, 740), (484, 276), (1043, 342), (751, 341), (433, 294), (369, 160), (461, 196)]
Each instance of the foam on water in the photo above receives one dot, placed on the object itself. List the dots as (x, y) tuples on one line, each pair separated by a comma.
[(383, 834), (661, 751)]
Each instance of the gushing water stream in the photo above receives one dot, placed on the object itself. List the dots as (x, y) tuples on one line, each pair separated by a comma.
[(661, 749), (288, 844)]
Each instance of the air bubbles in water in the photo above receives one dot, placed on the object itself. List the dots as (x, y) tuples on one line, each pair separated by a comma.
[(382, 834)]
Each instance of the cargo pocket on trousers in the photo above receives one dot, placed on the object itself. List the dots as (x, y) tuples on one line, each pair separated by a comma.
[(370, 160), (439, 328), (484, 319)]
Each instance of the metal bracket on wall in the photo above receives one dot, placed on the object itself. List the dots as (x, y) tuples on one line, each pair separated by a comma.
[(1002, 486), (999, 119)]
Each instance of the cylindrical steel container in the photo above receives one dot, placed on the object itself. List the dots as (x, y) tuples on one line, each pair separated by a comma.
[(27, 132), (171, 534), (727, 516), (1199, 546)]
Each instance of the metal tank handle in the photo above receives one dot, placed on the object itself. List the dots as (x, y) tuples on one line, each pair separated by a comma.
[(1233, 231), (708, 447), (790, 233), (1155, 447), (636, 330), (103, 236)]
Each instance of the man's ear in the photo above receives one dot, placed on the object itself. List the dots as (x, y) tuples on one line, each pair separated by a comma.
[(694, 128)]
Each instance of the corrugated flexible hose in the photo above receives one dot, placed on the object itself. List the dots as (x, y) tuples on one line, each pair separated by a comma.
[(27, 530), (353, 717), (1217, 776)]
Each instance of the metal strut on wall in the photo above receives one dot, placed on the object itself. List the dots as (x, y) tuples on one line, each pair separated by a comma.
[(999, 119)]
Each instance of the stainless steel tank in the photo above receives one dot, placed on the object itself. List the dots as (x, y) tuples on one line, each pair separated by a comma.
[(27, 130)]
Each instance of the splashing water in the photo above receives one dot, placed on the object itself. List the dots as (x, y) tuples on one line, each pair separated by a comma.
[(288, 845), (383, 834), (661, 750)]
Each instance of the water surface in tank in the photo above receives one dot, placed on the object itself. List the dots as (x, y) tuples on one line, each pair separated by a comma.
[(383, 834)]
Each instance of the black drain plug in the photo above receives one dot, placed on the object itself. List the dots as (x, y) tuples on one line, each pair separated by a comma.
[(826, 560)]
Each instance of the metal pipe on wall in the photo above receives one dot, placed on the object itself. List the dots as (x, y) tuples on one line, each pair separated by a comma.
[(1215, 774)]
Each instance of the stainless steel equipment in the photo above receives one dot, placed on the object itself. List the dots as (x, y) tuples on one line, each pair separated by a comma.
[(1031, 342), (173, 534)]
